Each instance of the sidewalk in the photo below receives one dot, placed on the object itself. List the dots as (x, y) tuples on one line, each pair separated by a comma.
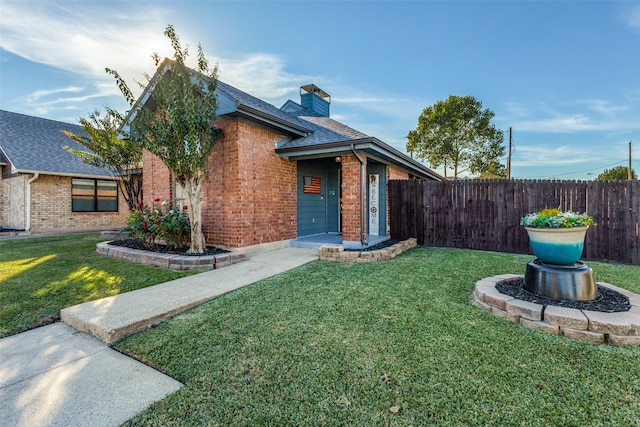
[(57, 376)]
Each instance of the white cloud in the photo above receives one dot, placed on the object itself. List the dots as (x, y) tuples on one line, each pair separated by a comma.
[(570, 117), (630, 15), (45, 101), (603, 106), (70, 100), (261, 75), (549, 155), (85, 37), (575, 123), (387, 105), (38, 94), (517, 110)]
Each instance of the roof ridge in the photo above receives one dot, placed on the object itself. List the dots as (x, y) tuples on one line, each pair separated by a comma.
[(40, 118)]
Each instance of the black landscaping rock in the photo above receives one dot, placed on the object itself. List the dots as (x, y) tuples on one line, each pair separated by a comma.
[(380, 245), (607, 301)]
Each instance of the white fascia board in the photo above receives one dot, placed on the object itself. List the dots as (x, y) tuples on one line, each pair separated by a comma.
[(72, 175)]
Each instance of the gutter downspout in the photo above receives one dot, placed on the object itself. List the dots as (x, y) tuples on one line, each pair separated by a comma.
[(363, 197), (35, 176)]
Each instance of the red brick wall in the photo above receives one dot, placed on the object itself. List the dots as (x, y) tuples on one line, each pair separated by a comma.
[(222, 200), (250, 196), (251, 192), (351, 197), (396, 173), (51, 208), (271, 182), (156, 179)]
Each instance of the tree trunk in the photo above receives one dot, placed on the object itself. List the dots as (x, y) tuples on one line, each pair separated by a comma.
[(131, 189), (193, 194)]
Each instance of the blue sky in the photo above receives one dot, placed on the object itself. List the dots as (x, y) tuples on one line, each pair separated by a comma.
[(564, 75)]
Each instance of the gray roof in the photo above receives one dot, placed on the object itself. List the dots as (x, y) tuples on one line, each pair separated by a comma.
[(308, 131), (243, 99), (33, 144), (234, 101), (325, 131), (330, 137)]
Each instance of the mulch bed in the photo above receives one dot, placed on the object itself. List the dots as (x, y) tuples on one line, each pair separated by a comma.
[(381, 245), (134, 244), (608, 300)]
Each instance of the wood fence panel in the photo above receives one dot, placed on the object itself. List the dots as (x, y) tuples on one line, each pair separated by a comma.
[(485, 214)]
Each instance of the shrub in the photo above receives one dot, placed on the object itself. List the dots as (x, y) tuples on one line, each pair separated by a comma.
[(175, 228), (161, 221)]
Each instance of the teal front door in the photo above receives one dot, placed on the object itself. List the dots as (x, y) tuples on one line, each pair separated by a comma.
[(318, 196)]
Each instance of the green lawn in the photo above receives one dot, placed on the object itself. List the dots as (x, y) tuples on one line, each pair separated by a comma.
[(39, 276), (390, 343)]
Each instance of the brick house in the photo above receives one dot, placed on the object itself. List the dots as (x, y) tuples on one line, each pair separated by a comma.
[(289, 175), (44, 188)]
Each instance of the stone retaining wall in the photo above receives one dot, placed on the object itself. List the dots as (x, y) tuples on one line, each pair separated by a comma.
[(611, 328), (337, 253), (172, 261)]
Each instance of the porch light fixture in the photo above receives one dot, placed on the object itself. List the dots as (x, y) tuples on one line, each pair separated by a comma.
[(338, 159)]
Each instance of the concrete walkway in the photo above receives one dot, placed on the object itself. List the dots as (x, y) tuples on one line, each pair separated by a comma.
[(57, 376)]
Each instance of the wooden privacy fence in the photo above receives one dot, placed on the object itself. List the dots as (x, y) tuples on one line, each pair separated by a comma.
[(485, 214)]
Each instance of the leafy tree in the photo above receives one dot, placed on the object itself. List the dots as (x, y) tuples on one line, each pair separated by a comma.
[(177, 123), (122, 157), (457, 134), (619, 172), (494, 170)]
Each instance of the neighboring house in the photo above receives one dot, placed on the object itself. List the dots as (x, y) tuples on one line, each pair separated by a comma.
[(44, 188), (282, 174)]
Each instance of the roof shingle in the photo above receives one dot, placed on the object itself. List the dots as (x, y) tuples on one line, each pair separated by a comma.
[(34, 144)]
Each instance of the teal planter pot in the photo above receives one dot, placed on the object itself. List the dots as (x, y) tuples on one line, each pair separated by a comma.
[(560, 246)]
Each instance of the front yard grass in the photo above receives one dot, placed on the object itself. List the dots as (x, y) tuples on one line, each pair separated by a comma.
[(39, 276), (390, 343)]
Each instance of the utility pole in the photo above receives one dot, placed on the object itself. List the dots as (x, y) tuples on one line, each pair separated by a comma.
[(629, 168), (509, 156)]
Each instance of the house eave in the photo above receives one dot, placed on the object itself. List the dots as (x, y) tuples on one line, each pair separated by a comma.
[(72, 175), (373, 146)]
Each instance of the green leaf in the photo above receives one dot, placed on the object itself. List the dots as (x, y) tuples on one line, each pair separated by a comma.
[(458, 134)]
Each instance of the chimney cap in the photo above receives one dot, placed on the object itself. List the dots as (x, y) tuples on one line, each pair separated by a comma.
[(311, 88)]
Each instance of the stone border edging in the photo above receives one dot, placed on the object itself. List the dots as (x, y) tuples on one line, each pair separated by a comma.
[(621, 328), (171, 261), (337, 253)]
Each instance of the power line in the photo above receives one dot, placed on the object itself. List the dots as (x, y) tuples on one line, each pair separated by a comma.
[(588, 170)]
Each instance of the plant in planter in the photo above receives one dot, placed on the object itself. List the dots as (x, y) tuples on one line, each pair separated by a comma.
[(557, 237)]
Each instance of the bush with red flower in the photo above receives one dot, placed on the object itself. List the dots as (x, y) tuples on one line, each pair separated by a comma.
[(150, 225)]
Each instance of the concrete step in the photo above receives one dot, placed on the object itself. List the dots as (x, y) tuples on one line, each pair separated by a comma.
[(114, 318)]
